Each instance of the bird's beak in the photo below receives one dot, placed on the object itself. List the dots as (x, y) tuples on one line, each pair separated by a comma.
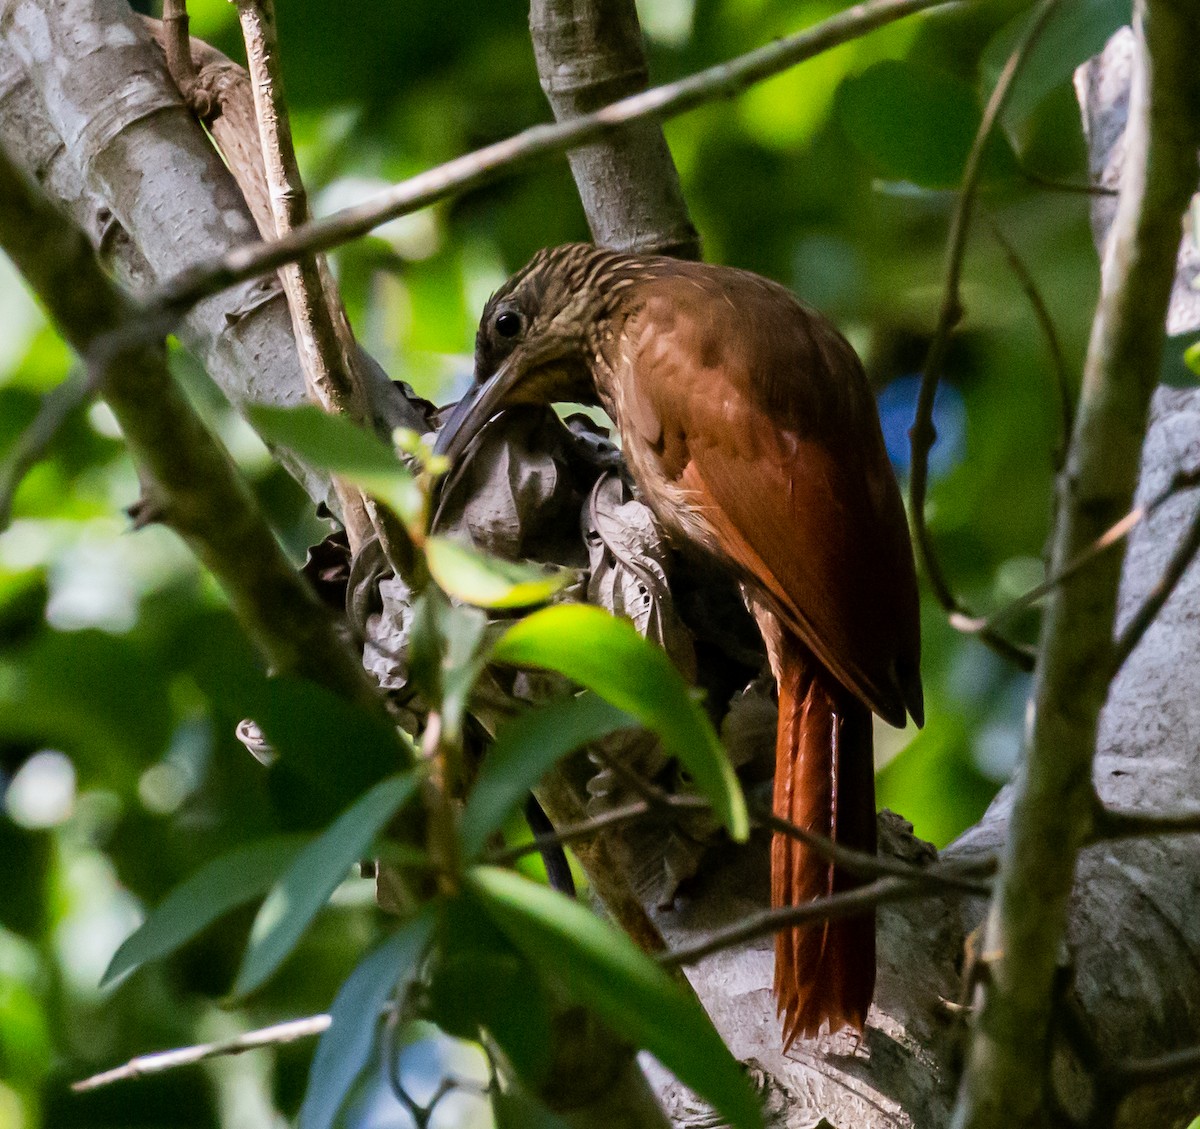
[(474, 410)]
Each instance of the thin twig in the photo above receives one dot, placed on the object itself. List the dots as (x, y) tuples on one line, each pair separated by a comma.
[(923, 433), (1111, 537), (1075, 188), (327, 349), (969, 878), (474, 169), (605, 821), (52, 414), (1062, 377), (1140, 1071), (766, 922), (1131, 634), (273, 1036), (1110, 823)]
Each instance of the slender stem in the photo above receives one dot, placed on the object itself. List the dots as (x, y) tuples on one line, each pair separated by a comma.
[(766, 922), (273, 1036), (474, 169), (1062, 377), (923, 433), (1053, 800)]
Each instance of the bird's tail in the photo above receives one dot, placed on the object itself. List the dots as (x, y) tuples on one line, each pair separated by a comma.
[(825, 783)]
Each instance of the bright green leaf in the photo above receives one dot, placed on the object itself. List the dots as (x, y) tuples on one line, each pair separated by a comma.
[(337, 445), (917, 124), (598, 966), (608, 656), (346, 1045), (1191, 357), (237, 877), (488, 582), (316, 872), (525, 749)]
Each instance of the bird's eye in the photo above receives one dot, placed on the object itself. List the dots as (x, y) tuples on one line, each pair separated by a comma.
[(508, 324)]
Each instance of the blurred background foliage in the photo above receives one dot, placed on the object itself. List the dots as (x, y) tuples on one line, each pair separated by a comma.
[(120, 776)]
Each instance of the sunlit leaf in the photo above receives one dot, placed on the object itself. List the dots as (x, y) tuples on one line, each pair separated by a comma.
[(598, 966), (313, 876), (488, 582), (345, 1047), (917, 124), (337, 445), (233, 879), (525, 749), (608, 656)]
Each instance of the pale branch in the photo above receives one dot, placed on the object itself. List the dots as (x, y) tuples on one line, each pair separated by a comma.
[(1058, 360), (923, 433), (274, 1036), (188, 479), (844, 904), (484, 165), (589, 54), (328, 352), (1052, 803)]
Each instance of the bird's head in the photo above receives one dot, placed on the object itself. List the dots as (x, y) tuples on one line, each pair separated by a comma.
[(532, 345)]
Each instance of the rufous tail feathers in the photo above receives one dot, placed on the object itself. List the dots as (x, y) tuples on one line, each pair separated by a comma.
[(825, 783)]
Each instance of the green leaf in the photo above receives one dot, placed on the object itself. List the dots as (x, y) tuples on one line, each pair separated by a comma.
[(608, 656), (349, 451), (346, 1045), (480, 980), (1191, 357), (917, 124), (525, 749), (515, 1109), (316, 872), (1074, 33), (600, 967), (476, 578), (237, 877)]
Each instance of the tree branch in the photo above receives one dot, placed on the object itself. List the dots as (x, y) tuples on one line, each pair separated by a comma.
[(588, 55), (189, 481), (276, 1035), (923, 433), (1051, 813), (478, 168)]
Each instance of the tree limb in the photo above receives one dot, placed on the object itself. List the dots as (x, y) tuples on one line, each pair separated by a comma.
[(1051, 813)]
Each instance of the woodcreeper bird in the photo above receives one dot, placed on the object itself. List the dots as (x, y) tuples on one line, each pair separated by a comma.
[(750, 429)]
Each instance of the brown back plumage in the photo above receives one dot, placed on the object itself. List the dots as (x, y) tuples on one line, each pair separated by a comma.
[(750, 428)]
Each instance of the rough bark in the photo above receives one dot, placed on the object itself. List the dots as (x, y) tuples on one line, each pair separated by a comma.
[(86, 107), (1134, 930), (589, 53)]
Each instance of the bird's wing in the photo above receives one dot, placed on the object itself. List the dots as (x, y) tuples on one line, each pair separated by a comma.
[(764, 417)]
